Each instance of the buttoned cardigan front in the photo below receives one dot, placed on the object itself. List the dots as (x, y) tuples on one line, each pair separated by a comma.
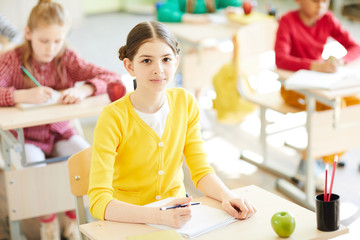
[(131, 163)]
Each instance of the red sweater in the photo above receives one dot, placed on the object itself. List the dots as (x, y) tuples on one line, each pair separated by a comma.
[(297, 45), (75, 69)]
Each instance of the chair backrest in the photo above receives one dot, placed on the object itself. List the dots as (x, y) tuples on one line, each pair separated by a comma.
[(253, 40), (254, 56), (79, 170), (253, 49)]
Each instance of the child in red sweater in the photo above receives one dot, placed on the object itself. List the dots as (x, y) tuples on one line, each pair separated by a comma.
[(300, 41)]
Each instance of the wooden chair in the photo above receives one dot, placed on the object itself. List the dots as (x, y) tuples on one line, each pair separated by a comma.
[(79, 169), (251, 43)]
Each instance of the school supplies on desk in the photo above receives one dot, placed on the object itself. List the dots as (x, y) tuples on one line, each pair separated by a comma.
[(179, 206), (53, 100), (203, 219), (30, 76), (332, 177), (307, 79), (167, 234)]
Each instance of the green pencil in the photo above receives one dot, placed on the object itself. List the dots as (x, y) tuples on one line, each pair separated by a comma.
[(30, 76)]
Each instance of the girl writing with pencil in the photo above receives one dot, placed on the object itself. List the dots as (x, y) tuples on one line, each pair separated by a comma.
[(141, 139), (45, 57)]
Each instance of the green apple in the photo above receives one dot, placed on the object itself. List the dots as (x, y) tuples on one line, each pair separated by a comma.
[(283, 224)]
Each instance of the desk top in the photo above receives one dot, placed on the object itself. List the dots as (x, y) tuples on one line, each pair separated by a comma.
[(327, 94), (257, 227), (13, 117), (196, 33)]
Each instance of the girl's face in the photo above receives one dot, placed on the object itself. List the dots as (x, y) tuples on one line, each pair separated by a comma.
[(154, 65), (46, 41), (313, 9)]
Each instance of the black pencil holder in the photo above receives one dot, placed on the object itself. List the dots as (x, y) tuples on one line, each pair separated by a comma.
[(327, 213)]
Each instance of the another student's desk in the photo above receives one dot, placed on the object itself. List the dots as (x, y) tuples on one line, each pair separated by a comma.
[(37, 191), (328, 132), (257, 227)]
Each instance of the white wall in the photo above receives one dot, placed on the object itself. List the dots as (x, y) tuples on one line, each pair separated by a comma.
[(17, 11)]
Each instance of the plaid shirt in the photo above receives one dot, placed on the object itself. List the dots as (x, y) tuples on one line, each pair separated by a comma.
[(75, 69)]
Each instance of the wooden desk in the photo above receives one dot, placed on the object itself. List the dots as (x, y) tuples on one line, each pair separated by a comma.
[(42, 182), (257, 227), (197, 33), (328, 132)]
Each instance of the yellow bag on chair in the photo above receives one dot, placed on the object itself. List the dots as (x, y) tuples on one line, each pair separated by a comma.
[(230, 106)]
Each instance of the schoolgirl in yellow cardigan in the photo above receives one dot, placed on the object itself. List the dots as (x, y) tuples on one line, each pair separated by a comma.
[(141, 139)]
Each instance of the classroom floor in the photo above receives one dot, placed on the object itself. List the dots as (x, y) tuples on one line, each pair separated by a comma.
[(98, 38)]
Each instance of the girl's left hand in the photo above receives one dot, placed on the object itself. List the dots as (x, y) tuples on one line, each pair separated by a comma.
[(76, 94), (71, 96), (238, 207)]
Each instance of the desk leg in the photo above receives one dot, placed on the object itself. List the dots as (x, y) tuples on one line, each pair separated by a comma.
[(305, 198), (6, 151), (262, 161), (21, 140), (15, 230), (15, 226), (310, 161)]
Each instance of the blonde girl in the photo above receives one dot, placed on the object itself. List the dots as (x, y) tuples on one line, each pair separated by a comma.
[(45, 55)]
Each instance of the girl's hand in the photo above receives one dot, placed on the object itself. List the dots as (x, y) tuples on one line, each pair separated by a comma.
[(176, 217), (75, 94), (32, 95), (335, 61), (238, 207)]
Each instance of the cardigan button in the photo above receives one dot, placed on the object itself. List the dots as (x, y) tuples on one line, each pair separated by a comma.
[(158, 197), (161, 144), (161, 172)]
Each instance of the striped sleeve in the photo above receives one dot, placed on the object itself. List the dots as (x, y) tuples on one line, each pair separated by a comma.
[(8, 63)]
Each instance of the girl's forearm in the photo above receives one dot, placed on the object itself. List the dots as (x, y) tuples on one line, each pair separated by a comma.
[(212, 186), (124, 212)]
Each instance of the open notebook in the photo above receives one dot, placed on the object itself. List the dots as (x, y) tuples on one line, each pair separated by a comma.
[(204, 219), (53, 100), (306, 79)]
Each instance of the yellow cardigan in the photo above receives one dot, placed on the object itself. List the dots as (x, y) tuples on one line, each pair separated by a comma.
[(131, 163)]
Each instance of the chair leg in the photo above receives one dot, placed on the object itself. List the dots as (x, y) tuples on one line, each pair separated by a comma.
[(263, 135), (80, 213)]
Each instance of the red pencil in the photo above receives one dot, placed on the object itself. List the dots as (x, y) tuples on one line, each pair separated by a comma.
[(332, 176), (326, 175)]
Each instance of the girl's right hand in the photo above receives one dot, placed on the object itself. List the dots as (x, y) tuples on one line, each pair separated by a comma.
[(324, 66), (176, 217), (32, 95)]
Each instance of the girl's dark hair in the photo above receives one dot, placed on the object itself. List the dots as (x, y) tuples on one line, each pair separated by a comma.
[(145, 32)]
